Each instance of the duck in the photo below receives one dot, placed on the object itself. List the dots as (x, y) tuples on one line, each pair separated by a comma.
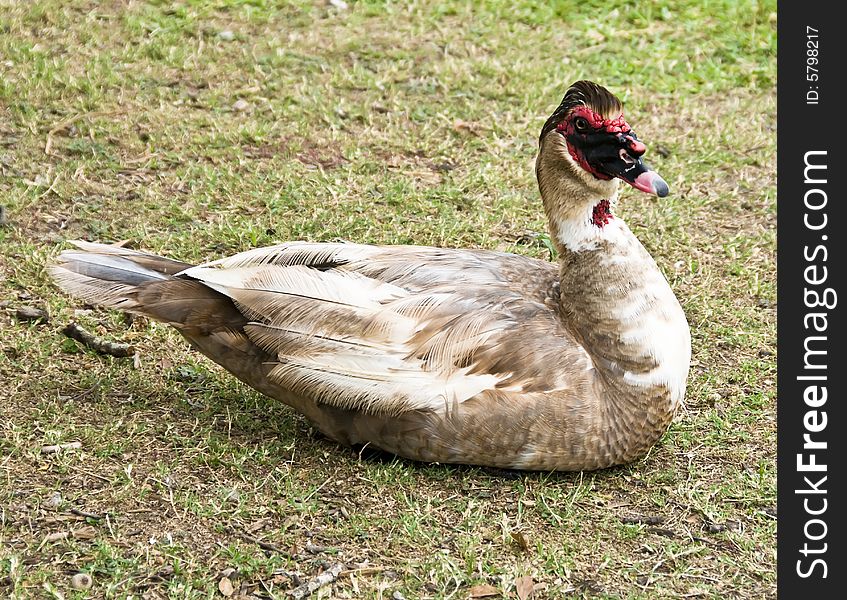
[(448, 355)]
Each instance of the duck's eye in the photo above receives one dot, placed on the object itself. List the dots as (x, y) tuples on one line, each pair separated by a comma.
[(581, 124)]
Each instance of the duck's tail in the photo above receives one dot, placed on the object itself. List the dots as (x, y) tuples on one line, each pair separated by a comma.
[(111, 276), (145, 284)]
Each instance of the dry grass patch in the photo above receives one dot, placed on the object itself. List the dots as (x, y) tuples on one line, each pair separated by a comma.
[(382, 124)]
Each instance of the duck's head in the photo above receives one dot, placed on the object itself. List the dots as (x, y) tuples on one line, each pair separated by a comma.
[(591, 126)]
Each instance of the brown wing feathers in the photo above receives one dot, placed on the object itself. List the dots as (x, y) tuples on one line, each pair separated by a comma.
[(349, 325)]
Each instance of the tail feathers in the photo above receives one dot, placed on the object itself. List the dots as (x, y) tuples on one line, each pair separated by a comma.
[(110, 275), (160, 264), (143, 283)]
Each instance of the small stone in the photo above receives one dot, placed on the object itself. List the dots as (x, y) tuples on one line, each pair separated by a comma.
[(339, 4), (225, 587), (715, 527), (240, 105), (232, 496), (54, 500), (398, 596), (81, 581), (226, 35)]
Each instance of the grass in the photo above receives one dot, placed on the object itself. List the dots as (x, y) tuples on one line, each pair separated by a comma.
[(385, 123)]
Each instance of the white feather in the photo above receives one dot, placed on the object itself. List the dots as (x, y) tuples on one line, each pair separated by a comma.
[(339, 287), (579, 233), (658, 333)]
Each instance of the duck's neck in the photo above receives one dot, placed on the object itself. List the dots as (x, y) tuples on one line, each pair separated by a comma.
[(619, 305)]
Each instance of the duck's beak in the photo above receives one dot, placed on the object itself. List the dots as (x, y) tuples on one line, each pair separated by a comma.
[(628, 166)]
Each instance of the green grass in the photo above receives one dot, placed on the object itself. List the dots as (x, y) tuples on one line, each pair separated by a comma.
[(384, 123)]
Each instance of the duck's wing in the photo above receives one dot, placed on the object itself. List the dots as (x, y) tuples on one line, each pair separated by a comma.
[(384, 330)]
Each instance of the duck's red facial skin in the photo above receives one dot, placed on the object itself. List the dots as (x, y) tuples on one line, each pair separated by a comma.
[(608, 148), (595, 121)]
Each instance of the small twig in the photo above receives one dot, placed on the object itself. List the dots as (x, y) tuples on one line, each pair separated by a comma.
[(87, 515), (361, 571), (96, 476), (315, 549), (636, 520), (52, 187), (53, 448), (32, 314), (62, 125), (263, 545), (649, 577), (315, 491), (83, 533), (269, 546), (322, 580), (86, 393), (98, 344), (140, 159), (268, 590), (51, 589), (53, 537)]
